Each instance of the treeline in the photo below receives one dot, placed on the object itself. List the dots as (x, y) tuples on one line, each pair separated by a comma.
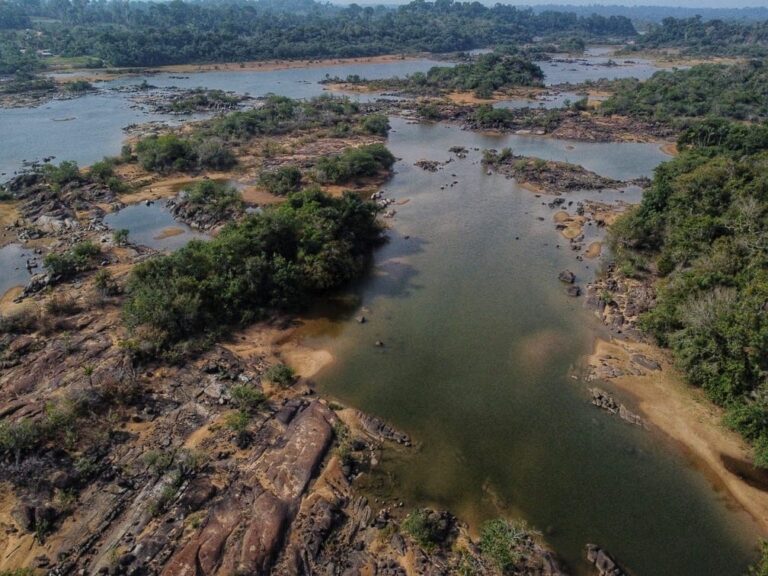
[(484, 75), (702, 227), (738, 91), (696, 36), (158, 33), (271, 261)]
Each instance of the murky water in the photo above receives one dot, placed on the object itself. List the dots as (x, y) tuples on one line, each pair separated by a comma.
[(13, 266), (152, 225), (480, 341)]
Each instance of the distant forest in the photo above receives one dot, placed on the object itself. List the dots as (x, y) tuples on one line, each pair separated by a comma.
[(118, 33)]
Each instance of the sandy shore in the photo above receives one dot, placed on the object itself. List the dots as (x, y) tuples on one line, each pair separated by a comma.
[(686, 416), (670, 148)]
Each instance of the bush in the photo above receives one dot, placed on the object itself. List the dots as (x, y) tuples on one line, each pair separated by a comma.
[(246, 397), (503, 542), (377, 124), (425, 527), (80, 258), (354, 163), (280, 374), (282, 181), (165, 153)]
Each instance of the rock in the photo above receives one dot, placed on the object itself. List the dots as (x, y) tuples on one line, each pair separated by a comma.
[(603, 562), (380, 429), (645, 362), (567, 277), (379, 344), (573, 291)]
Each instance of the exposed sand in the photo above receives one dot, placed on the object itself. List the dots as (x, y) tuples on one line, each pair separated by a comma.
[(569, 226), (670, 148), (594, 250), (169, 233), (685, 415), (277, 343)]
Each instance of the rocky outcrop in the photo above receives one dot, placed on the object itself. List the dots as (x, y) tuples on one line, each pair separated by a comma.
[(603, 562), (605, 401)]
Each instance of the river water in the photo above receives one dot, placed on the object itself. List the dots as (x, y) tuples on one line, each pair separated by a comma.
[(482, 346)]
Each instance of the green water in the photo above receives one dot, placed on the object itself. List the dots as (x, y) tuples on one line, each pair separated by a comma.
[(480, 343)]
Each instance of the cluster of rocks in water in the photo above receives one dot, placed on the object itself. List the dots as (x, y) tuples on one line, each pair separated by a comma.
[(605, 401), (551, 176), (619, 300)]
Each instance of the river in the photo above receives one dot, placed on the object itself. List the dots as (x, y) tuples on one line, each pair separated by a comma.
[(483, 348)]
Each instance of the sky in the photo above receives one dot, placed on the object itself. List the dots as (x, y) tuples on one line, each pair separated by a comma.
[(667, 3)]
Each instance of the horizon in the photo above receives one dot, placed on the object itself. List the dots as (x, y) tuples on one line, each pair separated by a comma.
[(685, 4)]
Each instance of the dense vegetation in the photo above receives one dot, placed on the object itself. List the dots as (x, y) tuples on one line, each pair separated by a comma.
[(281, 115), (703, 227), (269, 261), (737, 91), (354, 163), (484, 75), (696, 36), (155, 33), (170, 152)]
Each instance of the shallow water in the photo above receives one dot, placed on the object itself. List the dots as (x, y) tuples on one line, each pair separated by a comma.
[(146, 225), (94, 122), (480, 337), (13, 270), (480, 341)]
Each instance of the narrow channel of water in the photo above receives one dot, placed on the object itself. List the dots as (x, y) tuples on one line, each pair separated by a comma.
[(480, 344)]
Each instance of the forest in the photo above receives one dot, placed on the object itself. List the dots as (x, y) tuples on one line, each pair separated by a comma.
[(271, 261), (159, 33), (484, 75), (696, 36), (731, 91), (702, 227)]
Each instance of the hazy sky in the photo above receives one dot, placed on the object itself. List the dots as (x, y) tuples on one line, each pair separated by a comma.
[(676, 3)]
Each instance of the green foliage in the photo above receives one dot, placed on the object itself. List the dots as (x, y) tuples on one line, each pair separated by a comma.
[(246, 398), (696, 36), (760, 568), (423, 526), (157, 33), (281, 181), (78, 86), (79, 258), (61, 175), (504, 542), (484, 75), (120, 237), (218, 199), (165, 153), (704, 221), (280, 374), (734, 91), (273, 260), (354, 163), (105, 284), (238, 422), (377, 124)]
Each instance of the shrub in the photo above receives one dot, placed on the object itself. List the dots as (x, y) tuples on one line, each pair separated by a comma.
[(79, 258), (503, 542), (377, 124), (281, 181), (165, 153), (354, 163), (245, 397), (280, 374), (426, 527)]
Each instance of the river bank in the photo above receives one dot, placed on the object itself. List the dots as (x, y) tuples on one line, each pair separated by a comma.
[(685, 416)]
